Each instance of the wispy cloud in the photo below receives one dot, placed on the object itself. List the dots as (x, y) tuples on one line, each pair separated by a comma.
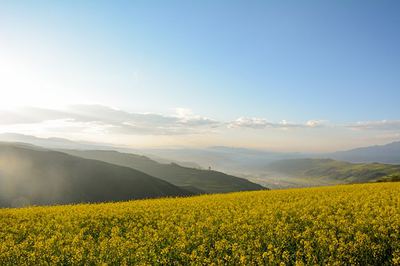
[(261, 123), (376, 125), (98, 118), (29, 115), (246, 122), (113, 120)]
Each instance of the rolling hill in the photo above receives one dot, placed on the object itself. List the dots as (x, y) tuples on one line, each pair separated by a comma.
[(34, 176), (204, 180), (330, 171)]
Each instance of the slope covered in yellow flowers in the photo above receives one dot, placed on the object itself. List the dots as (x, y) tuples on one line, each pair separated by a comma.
[(350, 224)]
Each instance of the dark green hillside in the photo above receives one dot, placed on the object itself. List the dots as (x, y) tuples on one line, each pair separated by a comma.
[(390, 178), (205, 180), (335, 171), (38, 176)]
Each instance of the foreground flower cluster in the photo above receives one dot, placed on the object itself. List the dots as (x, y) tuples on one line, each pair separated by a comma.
[(351, 224)]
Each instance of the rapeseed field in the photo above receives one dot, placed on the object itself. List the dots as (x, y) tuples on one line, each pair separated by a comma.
[(340, 225)]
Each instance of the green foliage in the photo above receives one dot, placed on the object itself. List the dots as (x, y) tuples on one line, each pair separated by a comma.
[(390, 178), (341, 225), (332, 171)]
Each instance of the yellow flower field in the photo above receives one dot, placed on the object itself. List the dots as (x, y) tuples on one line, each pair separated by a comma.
[(340, 225)]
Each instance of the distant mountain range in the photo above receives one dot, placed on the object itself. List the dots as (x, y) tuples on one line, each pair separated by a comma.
[(35, 176), (389, 153), (53, 143), (220, 157)]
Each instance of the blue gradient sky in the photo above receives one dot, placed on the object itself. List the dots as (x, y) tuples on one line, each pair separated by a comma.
[(337, 61)]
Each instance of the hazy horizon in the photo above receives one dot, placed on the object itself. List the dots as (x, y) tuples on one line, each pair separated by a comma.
[(281, 76)]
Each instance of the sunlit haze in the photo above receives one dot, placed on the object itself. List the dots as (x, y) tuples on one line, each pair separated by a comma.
[(285, 76)]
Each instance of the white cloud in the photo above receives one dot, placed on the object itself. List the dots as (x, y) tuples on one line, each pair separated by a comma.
[(377, 125), (113, 120), (315, 123), (98, 118), (261, 123), (249, 122)]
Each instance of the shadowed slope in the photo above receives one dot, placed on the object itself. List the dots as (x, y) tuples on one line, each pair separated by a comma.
[(38, 176)]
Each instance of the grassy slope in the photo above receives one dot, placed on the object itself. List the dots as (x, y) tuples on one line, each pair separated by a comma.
[(205, 180), (342, 225), (331, 171), (31, 175), (390, 178)]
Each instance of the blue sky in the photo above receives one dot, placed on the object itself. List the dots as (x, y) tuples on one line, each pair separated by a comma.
[(335, 61)]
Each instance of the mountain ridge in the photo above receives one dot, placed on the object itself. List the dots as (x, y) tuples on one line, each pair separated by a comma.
[(387, 153)]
